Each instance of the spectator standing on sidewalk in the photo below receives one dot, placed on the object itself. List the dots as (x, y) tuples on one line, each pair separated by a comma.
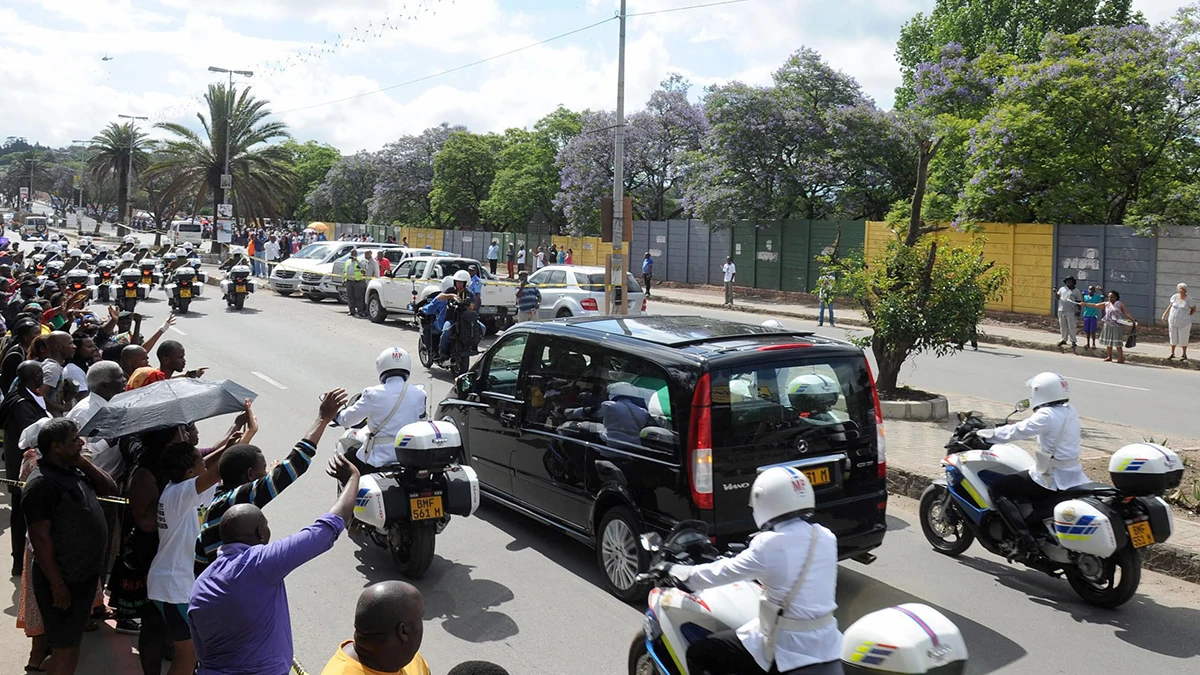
[(493, 255), (1178, 316), (647, 271), (20, 409), (512, 262), (825, 298), (521, 259), (1069, 302), (1091, 316), (729, 272), (529, 298), (1113, 332), (69, 535)]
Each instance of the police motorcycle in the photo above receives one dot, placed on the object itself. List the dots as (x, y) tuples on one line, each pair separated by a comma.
[(909, 638), (128, 288), (237, 285), (38, 261), (53, 271), (1093, 534), (181, 288), (78, 279), (464, 341), (404, 506), (149, 275), (103, 279)]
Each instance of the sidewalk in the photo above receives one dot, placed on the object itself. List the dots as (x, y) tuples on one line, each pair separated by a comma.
[(991, 331), (915, 449)]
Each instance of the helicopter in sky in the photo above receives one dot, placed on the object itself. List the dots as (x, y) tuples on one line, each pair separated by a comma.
[(106, 57)]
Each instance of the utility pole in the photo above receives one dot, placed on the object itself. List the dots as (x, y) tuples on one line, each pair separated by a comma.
[(129, 175), (226, 176), (618, 218)]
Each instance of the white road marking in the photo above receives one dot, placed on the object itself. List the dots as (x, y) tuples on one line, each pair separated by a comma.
[(266, 379), (1110, 384), (176, 329)]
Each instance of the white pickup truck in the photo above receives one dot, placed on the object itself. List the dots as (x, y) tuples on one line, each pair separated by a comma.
[(414, 280)]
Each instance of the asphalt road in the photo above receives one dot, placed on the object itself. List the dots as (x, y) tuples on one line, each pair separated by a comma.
[(505, 589), (1158, 399)]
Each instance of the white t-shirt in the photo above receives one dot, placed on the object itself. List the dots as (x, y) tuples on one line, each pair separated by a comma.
[(52, 373), (272, 250), (729, 269), (172, 574), (75, 374), (521, 256), (1068, 299), (1181, 308)]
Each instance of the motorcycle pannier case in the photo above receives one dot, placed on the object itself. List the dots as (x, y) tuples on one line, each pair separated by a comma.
[(428, 445), (1086, 526), (462, 491), (1145, 469)]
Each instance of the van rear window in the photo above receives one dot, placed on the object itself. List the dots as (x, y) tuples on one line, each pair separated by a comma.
[(779, 402)]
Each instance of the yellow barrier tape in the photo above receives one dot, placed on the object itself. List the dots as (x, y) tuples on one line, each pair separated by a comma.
[(110, 500), (271, 264)]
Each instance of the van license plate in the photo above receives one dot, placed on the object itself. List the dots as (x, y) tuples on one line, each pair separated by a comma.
[(131, 293), (426, 508), (818, 476), (1140, 534)]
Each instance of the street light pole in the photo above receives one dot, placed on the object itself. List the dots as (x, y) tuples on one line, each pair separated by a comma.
[(129, 175), (618, 210), (228, 132)]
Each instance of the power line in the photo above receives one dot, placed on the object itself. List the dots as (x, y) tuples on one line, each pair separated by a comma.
[(456, 68), (682, 9)]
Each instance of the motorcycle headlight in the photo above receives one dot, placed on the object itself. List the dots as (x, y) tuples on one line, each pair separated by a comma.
[(650, 626)]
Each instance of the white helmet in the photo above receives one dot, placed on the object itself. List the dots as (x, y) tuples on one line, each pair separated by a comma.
[(85, 241), (773, 324), (908, 638), (447, 284), (392, 360), (127, 257), (169, 256), (187, 245), (102, 248), (167, 241), (1046, 388), (130, 239), (779, 493), (75, 253), (181, 251), (54, 248), (812, 393), (463, 276)]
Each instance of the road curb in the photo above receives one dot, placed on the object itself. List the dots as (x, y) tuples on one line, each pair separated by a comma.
[(934, 410), (983, 337), (1162, 558)]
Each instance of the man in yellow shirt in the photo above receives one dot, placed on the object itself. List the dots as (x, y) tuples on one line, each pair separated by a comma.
[(387, 634)]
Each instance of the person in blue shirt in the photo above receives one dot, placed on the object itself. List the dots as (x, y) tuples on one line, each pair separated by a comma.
[(453, 289), (475, 286), (529, 298), (647, 271)]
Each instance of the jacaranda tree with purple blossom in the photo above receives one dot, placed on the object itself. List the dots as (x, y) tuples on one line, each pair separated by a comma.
[(1102, 129), (402, 194)]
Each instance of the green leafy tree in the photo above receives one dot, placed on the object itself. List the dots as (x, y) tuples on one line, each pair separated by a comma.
[(525, 182), (345, 194), (462, 177), (262, 176), (1014, 27), (1102, 129), (310, 161), (29, 169), (927, 297), (402, 195), (109, 155)]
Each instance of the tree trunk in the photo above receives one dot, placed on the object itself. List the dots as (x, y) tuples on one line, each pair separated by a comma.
[(926, 149), (889, 358), (123, 195)]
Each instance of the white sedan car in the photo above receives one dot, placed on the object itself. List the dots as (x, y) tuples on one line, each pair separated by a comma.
[(575, 290)]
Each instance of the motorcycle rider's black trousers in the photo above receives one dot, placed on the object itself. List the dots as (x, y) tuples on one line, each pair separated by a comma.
[(722, 653), (1018, 486)]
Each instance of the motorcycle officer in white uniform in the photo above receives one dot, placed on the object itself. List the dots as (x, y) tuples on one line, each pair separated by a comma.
[(796, 563), (387, 407), (1056, 464)]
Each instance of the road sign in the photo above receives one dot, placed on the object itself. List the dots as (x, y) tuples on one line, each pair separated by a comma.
[(24, 194), (226, 181), (224, 210)]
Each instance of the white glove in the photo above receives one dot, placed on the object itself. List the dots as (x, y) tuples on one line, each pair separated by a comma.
[(986, 434)]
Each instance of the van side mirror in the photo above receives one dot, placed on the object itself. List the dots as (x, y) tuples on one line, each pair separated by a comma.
[(464, 383)]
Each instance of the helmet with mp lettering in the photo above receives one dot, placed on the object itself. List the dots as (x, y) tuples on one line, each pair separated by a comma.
[(773, 324), (812, 393), (393, 362), (908, 638), (1046, 388), (780, 493)]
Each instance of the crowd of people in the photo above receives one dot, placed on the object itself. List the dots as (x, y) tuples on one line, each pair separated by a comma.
[(155, 533)]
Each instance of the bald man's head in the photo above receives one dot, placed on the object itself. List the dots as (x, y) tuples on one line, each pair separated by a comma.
[(132, 358), (245, 524), (29, 374), (388, 625)]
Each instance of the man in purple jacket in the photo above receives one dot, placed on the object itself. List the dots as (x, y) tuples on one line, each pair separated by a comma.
[(239, 609)]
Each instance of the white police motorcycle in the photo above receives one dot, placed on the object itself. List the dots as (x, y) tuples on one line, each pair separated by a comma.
[(403, 507), (910, 638)]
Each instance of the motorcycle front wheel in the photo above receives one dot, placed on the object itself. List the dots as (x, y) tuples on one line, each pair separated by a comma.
[(1106, 582), (423, 353), (640, 661), (411, 546), (942, 524)]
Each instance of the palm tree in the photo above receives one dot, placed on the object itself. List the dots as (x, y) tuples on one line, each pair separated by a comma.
[(262, 177), (109, 156)]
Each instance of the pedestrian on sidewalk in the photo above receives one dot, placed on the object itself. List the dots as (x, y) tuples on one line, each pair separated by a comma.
[(729, 270), (529, 298), (825, 298), (521, 259), (493, 255), (1178, 316), (1091, 316), (647, 272), (511, 259), (1069, 301), (1113, 332)]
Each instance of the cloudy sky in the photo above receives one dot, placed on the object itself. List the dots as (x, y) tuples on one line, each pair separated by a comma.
[(321, 64)]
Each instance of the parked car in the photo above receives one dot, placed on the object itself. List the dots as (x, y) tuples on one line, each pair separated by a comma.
[(413, 281), (395, 254), (285, 277), (608, 427), (325, 280), (576, 290)]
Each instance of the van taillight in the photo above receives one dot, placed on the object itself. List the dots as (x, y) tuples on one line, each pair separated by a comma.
[(880, 437), (700, 448), (589, 304)]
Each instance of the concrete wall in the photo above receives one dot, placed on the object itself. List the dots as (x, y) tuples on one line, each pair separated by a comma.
[(1178, 251)]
